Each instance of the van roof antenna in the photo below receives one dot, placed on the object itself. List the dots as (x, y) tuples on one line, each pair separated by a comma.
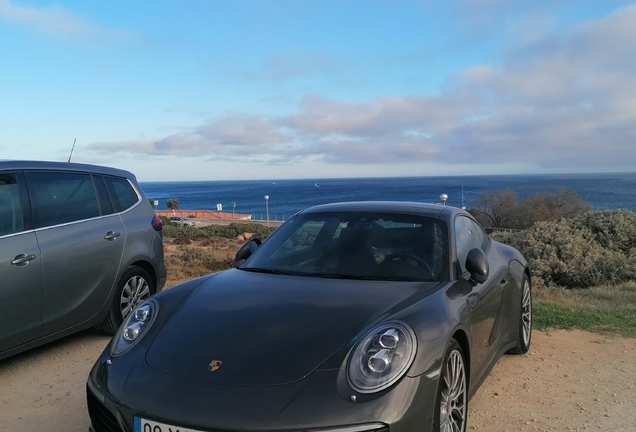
[(72, 148)]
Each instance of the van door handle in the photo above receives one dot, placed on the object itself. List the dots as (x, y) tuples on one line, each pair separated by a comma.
[(111, 235), (22, 260)]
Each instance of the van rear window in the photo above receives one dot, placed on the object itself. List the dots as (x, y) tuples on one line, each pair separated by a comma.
[(121, 193), (10, 211)]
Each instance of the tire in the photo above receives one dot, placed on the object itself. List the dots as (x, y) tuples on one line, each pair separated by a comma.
[(454, 359), (135, 285), (525, 319)]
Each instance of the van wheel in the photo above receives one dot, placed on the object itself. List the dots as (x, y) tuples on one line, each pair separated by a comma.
[(134, 287)]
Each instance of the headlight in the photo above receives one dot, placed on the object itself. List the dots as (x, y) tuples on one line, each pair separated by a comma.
[(382, 357), (134, 327)]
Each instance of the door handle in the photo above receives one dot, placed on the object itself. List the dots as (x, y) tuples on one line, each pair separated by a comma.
[(503, 283), (22, 260), (471, 300), (111, 235)]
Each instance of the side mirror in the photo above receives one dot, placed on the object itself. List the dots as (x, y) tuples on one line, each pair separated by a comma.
[(244, 252), (477, 266)]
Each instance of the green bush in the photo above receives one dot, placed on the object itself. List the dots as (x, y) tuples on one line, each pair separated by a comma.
[(230, 231), (595, 248), (233, 230), (165, 220)]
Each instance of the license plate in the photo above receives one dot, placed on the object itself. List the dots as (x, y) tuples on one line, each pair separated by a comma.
[(143, 425)]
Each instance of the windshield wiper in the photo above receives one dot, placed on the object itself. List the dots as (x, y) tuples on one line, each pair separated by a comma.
[(268, 271), (348, 276)]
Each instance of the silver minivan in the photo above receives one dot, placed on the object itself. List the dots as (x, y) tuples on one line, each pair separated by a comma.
[(80, 246)]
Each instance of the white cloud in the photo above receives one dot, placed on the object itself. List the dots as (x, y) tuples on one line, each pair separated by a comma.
[(565, 100)]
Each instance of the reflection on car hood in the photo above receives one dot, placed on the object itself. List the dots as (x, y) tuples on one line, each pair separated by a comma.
[(268, 329)]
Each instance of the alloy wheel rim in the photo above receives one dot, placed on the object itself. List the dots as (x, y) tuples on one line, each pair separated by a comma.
[(526, 313), (453, 400), (135, 291)]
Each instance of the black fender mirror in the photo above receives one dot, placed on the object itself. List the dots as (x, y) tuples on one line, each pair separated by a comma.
[(477, 266), (245, 251)]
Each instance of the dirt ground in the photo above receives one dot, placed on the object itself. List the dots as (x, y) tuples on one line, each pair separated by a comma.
[(569, 381)]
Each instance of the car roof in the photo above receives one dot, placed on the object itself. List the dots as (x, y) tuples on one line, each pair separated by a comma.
[(432, 210), (62, 166)]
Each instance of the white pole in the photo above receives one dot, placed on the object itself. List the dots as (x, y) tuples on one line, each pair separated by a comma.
[(267, 208)]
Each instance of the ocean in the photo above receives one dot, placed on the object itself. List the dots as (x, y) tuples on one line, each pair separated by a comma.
[(286, 197)]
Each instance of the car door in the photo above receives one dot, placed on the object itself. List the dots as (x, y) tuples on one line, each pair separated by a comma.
[(484, 300), (20, 266), (81, 239)]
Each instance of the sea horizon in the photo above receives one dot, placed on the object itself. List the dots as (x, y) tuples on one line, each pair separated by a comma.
[(288, 196)]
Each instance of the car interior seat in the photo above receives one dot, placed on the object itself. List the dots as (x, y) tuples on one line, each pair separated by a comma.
[(356, 253)]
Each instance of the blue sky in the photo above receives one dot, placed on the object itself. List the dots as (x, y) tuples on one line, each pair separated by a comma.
[(198, 90)]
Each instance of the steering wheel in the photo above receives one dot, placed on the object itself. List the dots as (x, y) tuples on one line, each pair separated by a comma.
[(414, 257)]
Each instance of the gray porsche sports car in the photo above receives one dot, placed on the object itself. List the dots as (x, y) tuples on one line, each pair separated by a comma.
[(352, 317)]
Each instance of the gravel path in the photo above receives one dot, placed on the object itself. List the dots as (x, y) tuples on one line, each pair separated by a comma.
[(570, 381)]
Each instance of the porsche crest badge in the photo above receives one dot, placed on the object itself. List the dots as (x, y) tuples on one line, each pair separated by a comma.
[(215, 365)]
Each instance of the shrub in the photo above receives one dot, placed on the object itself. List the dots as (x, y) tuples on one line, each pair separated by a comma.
[(500, 209), (230, 231), (165, 220), (591, 249), (173, 230), (233, 230), (613, 229), (550, 206), (496, 208)]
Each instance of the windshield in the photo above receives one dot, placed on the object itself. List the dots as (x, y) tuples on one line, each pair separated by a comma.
[(352, 245)]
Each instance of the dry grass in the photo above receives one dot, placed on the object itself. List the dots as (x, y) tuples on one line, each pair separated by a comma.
[(197, 257)]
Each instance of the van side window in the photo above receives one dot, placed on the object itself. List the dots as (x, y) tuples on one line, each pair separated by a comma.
[(59, 197), (105, 205), (10, 210), (121, 193)]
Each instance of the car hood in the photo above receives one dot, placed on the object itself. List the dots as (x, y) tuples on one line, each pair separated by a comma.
[(263, 329)]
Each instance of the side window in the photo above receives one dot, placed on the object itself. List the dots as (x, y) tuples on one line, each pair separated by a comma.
[(121, 193), (10, 210), (105, 205), (465, 239), (59, 198), (481, 235)]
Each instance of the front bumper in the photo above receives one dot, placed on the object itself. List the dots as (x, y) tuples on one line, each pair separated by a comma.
[(322, 401)]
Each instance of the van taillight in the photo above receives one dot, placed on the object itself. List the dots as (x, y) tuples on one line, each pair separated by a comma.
[(156, 223)]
